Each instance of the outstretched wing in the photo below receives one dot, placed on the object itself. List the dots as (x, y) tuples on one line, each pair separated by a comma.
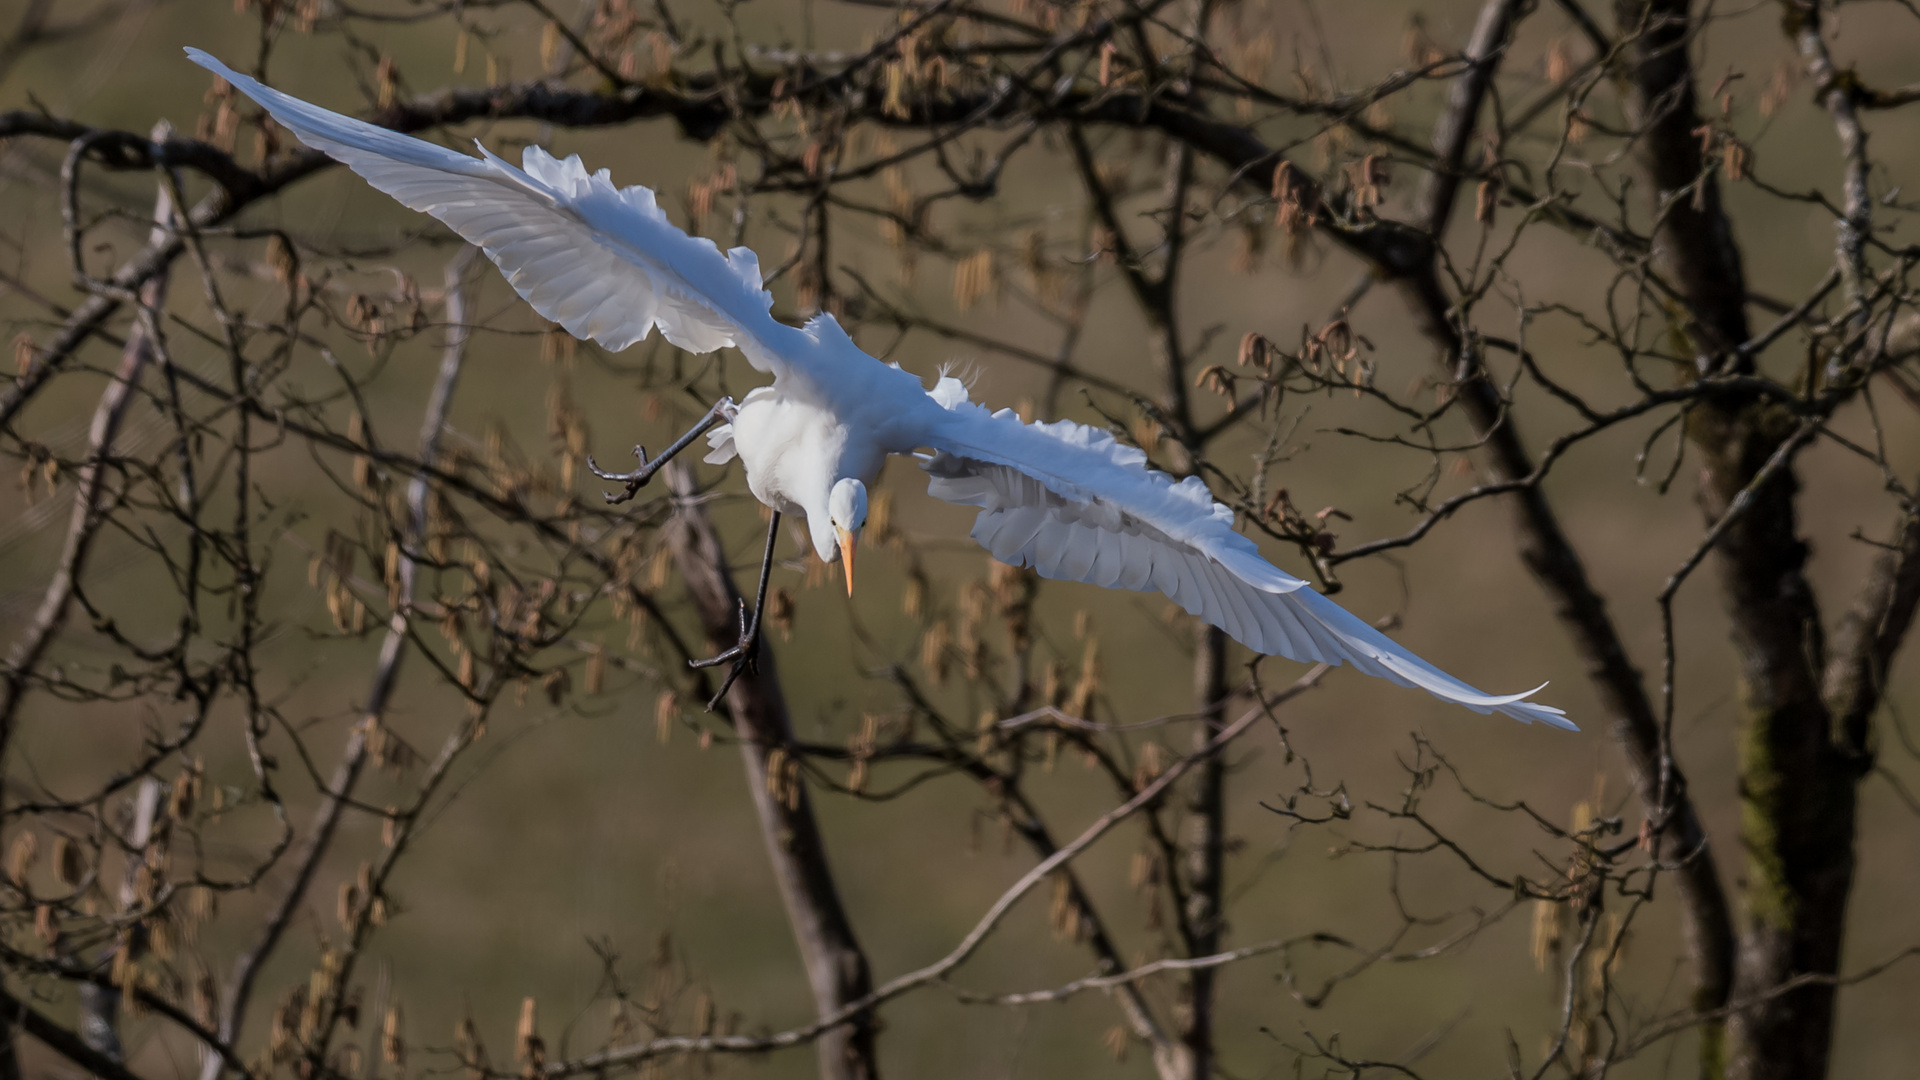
[(604, 262), (1076, 505)]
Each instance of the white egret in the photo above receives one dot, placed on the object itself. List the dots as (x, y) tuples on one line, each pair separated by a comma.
[(1065, 499)]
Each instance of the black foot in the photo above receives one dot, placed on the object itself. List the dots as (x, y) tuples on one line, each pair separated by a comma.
[(745, 656), (634, 480)]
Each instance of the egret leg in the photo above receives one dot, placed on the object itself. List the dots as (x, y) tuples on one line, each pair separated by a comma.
[(746, 653), (638, 478)]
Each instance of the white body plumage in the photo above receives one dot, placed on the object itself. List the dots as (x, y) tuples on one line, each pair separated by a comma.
[(1063, 498)]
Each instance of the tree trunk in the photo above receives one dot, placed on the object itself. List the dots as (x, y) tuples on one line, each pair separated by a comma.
[(1797, 784), (836, 967), (1206, 847)]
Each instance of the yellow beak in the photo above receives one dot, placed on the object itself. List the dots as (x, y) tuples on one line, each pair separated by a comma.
[(846, 555)]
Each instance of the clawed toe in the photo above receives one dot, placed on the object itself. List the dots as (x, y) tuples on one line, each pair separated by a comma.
[(739, 666), (745, 656), (634, 480)]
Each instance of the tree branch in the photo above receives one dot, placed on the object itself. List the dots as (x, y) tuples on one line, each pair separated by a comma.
[(836, 966), (968, 945), (61, 1041), (1871, 633), (335, 797), (91, 499)]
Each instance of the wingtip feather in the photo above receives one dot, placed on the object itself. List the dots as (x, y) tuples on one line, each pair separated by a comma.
[(1528, 713)]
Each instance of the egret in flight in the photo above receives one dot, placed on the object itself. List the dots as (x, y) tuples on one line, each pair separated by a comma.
[(1063, 498)]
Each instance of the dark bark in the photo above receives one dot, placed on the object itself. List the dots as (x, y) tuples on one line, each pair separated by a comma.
[(9, 1053), (1692, 241), (1798, 783), (1549, 554), (1206, 848), (836, 966)]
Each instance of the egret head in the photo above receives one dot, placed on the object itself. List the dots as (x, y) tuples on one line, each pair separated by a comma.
[(847, 509)]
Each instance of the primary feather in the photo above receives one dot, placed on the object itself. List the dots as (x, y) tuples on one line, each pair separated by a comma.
[(602, 261), (1063, 498)]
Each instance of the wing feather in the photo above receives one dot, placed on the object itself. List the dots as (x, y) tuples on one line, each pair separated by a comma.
[(1138, 574), (602, 261), (1076, 505), (1296, 636), (1110, 561), (1253, 627), (1075, 561), (1019, 529)]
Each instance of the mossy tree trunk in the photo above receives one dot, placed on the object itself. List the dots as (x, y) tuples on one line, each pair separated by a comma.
[(1799, 765)]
